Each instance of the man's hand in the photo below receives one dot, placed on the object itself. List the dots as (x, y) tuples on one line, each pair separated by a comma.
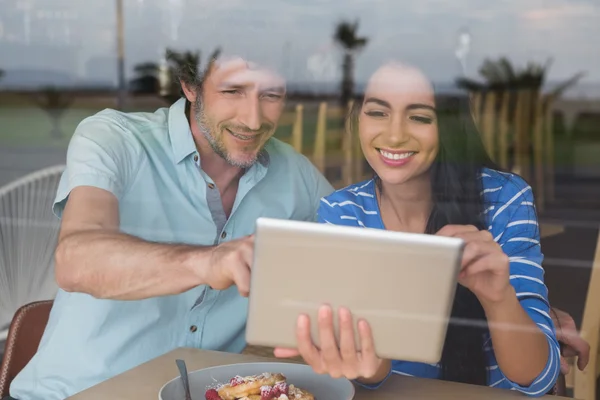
[(573, 343), (230, 264)]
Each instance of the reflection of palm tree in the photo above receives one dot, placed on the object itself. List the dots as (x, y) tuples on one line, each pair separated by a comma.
[(55, 103), (346, 36), (164, 80), (500, 75), (510, 86)]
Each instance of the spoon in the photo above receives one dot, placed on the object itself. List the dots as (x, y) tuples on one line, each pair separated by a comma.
[(184, 378)]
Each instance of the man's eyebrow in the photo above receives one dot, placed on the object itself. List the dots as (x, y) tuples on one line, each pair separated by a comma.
[(276, 89), (232, 85), (378, 101)]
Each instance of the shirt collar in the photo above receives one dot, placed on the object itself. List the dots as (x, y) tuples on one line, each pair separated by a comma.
[(182, 141)]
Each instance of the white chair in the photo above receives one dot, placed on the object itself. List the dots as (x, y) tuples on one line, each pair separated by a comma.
[(28, 236)]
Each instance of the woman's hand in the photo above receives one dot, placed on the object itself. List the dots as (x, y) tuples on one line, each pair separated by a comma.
[(485, 267), (343, 360)]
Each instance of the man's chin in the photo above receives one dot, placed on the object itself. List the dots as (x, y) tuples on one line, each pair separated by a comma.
[(243, 161)]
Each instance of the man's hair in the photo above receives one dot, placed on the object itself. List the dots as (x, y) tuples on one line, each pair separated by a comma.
[(188, 73)]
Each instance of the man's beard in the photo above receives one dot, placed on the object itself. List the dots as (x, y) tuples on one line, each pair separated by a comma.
[(217, 144)]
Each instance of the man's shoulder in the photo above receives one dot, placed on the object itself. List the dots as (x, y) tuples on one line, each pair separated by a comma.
[(129, 121), (117, 131)]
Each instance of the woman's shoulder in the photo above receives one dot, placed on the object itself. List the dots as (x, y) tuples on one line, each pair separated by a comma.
[(354, 192), (355, 202), (502, 186)]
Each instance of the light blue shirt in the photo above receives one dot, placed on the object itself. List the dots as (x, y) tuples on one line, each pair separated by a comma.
[(150, 163)]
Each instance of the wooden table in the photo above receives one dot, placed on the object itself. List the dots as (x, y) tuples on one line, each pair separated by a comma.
[(145, 381), (547, 229)]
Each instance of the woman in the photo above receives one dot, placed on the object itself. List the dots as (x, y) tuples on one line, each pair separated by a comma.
[(432, 175)]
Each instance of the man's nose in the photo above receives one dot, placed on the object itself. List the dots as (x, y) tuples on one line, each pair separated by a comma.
[(251, 115)]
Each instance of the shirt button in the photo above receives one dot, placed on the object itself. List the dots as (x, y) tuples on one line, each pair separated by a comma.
[(193, 328), (223, 235), (195, 157), (211, 186)]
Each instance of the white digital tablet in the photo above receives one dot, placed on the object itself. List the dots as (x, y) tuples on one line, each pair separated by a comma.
[(402, 284)]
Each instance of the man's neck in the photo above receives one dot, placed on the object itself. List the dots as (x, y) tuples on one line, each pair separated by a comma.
[(225, 176)]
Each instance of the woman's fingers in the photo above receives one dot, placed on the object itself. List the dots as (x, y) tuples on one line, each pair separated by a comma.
[(284, 352), (330, 353), (347, 344), (306, 347), (367, 344)]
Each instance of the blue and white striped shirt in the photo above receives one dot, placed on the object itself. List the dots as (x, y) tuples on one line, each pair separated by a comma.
[(510, 212)]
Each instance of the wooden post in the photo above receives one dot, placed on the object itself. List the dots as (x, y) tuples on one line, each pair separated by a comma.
[(538, 152), (347, 148), (585, 381), (521, 131), (476, 107), (320, 138), (503, 131), (549, 147), (487, 124), (297, 129)]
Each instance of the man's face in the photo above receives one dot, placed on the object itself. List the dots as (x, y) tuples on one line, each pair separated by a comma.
[(238, 109)]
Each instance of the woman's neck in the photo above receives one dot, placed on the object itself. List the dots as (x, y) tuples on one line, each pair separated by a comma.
[(406, 207)]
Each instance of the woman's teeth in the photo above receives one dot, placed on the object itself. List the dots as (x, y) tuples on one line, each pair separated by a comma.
[(396, 156)]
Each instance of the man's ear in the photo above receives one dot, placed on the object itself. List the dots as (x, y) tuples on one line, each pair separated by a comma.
[(189, 92)]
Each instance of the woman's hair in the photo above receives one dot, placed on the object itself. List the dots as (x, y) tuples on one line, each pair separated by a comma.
[(457, 199)]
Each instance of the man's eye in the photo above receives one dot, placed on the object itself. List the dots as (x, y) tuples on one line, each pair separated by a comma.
[(272, 96), (232, 91)]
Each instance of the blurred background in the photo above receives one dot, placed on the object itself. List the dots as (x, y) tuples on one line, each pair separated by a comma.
[(532, 69)]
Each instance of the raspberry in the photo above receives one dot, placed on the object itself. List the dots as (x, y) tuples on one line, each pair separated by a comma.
[(280, 388), (212, 394), (267, 393), (237, 380)]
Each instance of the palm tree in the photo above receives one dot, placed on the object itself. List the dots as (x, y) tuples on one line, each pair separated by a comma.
[(346, 36)]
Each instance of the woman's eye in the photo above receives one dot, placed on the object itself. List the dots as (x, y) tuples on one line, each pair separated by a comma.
[(376, 114), (423, 120)]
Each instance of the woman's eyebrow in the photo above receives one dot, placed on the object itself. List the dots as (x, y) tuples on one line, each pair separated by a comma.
[(416, 106), (378, 101)]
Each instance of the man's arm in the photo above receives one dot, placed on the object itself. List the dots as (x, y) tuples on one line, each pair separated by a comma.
[(93, 257), (569, 337)]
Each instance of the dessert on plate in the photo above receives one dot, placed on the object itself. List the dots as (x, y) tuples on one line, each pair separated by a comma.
[(266, 386)]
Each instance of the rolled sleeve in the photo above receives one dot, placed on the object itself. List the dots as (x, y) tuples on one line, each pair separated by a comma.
[(102, 153), (520, 240)]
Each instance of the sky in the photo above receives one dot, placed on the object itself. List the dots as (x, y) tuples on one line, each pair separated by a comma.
[(295, 36)]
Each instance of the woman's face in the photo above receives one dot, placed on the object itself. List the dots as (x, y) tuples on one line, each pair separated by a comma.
[(397, 124)]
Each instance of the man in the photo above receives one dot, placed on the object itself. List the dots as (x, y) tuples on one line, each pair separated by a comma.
[(197, 174), (157, 210)]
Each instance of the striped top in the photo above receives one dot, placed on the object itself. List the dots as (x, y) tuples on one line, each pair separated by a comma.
[(511, 214)]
